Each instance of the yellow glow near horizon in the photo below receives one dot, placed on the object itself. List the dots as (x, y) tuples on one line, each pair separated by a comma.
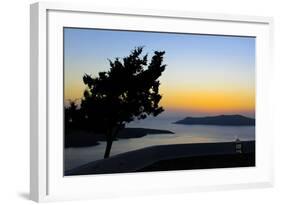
[(209, 101), (206, 100), (75, 91), (204, 74)]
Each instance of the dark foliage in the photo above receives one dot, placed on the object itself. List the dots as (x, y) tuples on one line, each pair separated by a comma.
[(125, 92)]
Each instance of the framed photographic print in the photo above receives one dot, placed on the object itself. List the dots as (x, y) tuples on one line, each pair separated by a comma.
[(151, 101)]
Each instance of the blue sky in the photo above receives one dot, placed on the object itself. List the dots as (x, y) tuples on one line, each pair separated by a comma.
[(217, 66)]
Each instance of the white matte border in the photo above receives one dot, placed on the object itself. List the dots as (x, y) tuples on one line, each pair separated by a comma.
[(50, 171)]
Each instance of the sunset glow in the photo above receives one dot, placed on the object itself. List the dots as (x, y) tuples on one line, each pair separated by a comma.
[(204, 75)]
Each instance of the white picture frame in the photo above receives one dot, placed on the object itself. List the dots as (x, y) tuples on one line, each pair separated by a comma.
[(47, 182)]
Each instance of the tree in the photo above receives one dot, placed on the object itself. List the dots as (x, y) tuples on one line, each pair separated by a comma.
[(71, 113), (125, 92)]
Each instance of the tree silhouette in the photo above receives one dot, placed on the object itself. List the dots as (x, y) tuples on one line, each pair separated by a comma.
[(72, 114), (126, 92)]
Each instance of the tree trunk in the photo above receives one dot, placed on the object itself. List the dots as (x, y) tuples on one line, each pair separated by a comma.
[(108, 148), (111, 135)]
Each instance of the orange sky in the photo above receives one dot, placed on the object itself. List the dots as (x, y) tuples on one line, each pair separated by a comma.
[(204, 74), (210, 101)]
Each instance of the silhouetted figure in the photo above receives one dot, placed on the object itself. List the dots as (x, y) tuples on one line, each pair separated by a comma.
[(126, 92)]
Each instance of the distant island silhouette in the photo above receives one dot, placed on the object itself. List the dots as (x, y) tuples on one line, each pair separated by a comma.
[(223, 120)]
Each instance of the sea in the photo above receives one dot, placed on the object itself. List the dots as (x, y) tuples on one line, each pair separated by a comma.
[(183, 134)]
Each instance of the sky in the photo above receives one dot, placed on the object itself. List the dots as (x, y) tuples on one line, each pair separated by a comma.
[(205, 74)]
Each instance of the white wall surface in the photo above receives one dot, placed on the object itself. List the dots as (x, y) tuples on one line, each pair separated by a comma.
[(14, 102)]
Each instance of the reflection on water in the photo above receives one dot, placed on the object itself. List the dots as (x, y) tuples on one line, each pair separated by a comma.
[(183, 134)]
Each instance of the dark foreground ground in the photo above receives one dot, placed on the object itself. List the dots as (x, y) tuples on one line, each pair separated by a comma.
[(173, 157), (203, 162)]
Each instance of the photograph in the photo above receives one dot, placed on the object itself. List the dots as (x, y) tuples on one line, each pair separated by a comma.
[(146, 101)]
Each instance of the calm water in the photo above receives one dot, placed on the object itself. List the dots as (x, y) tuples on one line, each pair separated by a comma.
[(183, 134)]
